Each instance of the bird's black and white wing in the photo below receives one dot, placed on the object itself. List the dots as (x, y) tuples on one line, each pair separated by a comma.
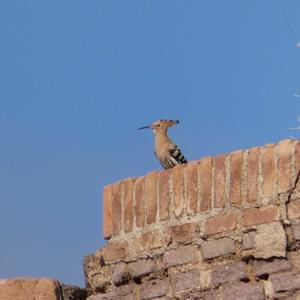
[(177, 155)]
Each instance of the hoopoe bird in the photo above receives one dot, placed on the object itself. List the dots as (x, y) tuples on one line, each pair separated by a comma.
[(166, 151)]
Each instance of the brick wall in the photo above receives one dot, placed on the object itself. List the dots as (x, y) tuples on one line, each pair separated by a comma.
[(225, 227)]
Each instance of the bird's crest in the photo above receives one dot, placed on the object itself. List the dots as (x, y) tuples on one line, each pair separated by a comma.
[(167, 123)]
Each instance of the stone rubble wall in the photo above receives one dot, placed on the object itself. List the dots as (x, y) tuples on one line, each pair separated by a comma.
[(225, 227)]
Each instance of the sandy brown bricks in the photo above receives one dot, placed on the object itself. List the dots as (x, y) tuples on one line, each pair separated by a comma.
[(151, 193), (221, 223), (219, 180), (128, 188), (164, 195), (268, 170), (205, 183), (236, 167), (252, 174), (107, 212), (221, 193), (116, 208), (178, 191), (191, 178), (286, 174), (139, 202), (255, 216)]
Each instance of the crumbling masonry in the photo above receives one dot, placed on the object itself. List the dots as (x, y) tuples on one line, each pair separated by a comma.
[(225, 227)]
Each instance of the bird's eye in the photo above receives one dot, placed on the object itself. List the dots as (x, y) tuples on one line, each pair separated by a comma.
[(158, 125)]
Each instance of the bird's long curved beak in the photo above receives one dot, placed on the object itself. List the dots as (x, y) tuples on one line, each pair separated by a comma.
[(144, 127)]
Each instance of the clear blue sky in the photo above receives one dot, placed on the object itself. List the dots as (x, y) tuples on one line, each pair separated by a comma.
[(77, 79)]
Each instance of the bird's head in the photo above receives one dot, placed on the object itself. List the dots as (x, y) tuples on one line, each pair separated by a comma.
[(161, 125)]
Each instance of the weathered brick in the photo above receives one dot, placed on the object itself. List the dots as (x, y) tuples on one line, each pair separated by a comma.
[(220, 173), (243, 291), (187, 280), (268, 169), (228, 272), (151, 197), (116, 208), (191, 176), (248, 240), (205, 181), (139, 206), (270, 241), (215, 248), (179, 256), (107, 212), (115, 251), (294, 209), (178, 188), (154, 288), (142, 267), (285, 172), (287, 281), (261, 267), (252, 174), (149, 240), (236, 165), (221, 223), (183, 232), (164, 195), (255, 216), (296, 229), (128, 204)]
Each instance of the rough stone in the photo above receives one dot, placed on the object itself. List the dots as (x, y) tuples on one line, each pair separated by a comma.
[(179, 256), (215, 248), (154, 288), (269, 267), (270, 241), (294, 209), (121, 274), (141, 267), (291, 281), (29, 289), (228, 272), (70, 292), (243, 291), (248, 240), (187, 280)]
